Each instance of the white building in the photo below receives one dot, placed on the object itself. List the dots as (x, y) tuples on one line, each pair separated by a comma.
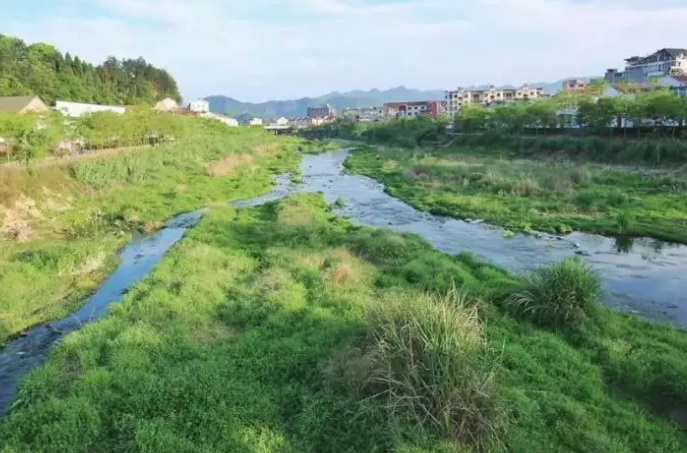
[(199, 106), (256, 122), (76, 109), (282, 121), (226, 120)]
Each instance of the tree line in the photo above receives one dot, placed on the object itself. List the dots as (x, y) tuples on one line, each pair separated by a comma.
[(656, 111), (40, 69), (30, 136)]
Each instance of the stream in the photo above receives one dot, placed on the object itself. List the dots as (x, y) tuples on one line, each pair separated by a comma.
[(643, 276)]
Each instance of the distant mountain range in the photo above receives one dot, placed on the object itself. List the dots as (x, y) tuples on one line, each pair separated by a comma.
[(350, 99)]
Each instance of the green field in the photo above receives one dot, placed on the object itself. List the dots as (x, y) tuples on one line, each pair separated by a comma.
[(528, 194), (60, 225), (284, 329)]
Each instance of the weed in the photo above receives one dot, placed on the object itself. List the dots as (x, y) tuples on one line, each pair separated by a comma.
[(561, 296)]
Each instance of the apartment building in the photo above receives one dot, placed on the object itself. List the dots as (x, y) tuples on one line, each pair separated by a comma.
[(364, 114), (323, 111), (663, 62), (456, 99), (412, 109)]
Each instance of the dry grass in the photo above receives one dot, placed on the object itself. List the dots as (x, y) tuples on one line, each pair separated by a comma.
[(227, 165), (213, 334)]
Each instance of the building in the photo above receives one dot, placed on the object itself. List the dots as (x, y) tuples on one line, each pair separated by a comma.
[(282, 121), (166, 105), (321, 112), (456, 99), (76, 109), (199, 106), (255, 122), (364, 114), (663, 62), (22, 104), (412, 109), (575, 85)]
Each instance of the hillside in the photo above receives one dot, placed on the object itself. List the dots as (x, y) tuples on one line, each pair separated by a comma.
[(43, 70), (340, 101)]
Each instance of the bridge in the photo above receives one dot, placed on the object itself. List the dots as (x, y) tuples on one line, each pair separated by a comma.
[(279, 128)]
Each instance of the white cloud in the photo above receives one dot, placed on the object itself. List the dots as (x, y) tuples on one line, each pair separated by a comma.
[(253, 51)]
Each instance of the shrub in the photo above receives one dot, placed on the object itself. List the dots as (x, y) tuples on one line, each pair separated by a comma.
[(431, 358), (560, 296)]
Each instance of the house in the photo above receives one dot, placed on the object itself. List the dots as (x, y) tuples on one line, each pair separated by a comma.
[(364, 114), (22, 104), (76, 109), (575, 85), (199, 106), (321, 112), (282, 121), (255, 122), (456, 99), (413, 109), (663, 62), (166, 105)]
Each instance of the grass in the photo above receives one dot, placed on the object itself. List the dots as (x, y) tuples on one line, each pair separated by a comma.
[(282, 328), (60, 226), (544, 195)]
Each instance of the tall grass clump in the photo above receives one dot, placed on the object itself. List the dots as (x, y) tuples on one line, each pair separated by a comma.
[(431, 359), (561, 296)]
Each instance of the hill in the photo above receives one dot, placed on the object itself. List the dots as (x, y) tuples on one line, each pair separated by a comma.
[(340, 101), (43, 70)]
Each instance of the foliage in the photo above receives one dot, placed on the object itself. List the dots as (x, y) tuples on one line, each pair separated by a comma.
[(561, 296), (40, 69), (523, 194), (432, 360), (255, 335)]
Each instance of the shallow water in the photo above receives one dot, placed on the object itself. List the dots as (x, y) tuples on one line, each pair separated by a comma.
[(644, 276)]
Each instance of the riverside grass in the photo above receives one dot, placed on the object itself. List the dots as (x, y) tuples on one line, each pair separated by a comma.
[(522, 194), (62, 224), (280, 329)]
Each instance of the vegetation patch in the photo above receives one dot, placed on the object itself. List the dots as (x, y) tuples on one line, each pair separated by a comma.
[(255, 334), (523, 194)]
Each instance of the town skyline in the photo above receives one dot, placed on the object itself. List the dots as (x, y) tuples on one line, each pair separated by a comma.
[(269, 49)]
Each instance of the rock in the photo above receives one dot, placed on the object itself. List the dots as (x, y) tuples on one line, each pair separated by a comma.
[(581, 253), (21, 354), (672, 306), (468, 220), (538, 236), (477, 221), (558, 238), (390, 223), (576, 245), (23, 334)]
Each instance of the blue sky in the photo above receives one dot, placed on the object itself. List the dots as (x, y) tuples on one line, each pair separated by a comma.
[(256, 50)]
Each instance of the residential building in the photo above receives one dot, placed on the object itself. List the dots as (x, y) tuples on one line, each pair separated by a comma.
[(77, 109), (456, 99), (282, 121), (166, 105), (22, 104), (412, 109), (321, 112), (199, 106), (255, 122), (663, 62), (364, 114), (575, 85)]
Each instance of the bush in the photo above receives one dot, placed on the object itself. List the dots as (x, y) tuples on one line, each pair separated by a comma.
[(431, 358), (560, 296)]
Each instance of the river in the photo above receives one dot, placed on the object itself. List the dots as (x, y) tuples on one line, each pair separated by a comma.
[(643, 276)]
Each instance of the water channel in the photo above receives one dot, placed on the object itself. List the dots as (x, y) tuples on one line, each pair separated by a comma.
[(643, 276)]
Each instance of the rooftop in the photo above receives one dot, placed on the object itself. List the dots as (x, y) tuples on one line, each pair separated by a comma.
[(14, 103)]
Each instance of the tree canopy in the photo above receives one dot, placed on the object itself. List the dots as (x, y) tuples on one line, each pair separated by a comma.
[(42, 70)]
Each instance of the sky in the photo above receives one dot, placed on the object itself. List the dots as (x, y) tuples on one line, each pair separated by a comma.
[(259, 50)]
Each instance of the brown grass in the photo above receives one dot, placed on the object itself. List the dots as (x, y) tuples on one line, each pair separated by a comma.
[(212, 334), (227, 165)]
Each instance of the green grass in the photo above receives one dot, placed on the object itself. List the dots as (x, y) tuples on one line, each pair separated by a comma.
[(62, 225), (283, 329), (549, 196)]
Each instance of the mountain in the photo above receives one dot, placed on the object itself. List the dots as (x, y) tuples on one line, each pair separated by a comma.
[(340, 101), (42, 70)]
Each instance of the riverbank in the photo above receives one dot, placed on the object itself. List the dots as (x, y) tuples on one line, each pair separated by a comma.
[(60, 226), (276, 328), (522, 194)]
